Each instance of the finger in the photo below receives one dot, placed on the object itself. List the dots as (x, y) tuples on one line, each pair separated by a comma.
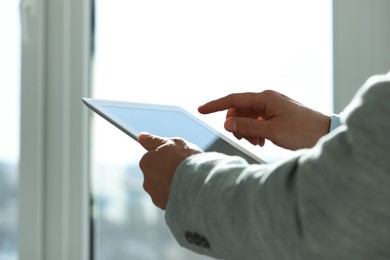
[(261, 142), (248, 127), (239, 137), (253, 140), (150, 142), (241, 101), (256, 140), (233, 112)]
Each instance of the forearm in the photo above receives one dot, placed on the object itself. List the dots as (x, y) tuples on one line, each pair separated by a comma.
[(233, 207), (296, 209)]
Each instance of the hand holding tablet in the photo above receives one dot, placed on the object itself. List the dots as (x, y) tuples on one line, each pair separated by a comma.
[(166, 121)]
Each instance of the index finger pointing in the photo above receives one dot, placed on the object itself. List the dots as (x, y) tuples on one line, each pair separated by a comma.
[(216, 105), (238, 100)]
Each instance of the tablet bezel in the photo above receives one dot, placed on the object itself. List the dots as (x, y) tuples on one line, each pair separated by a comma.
[(97, 105)]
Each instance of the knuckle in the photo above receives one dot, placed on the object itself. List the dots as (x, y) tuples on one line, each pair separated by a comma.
[(178, 140), (146, 186), (156, 201), (268, 93), (231, 95), (144, 162)]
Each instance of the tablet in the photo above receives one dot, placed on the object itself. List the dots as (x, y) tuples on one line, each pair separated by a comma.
[(166, 121)]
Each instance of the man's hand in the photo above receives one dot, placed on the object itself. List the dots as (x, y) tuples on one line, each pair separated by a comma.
[(270, 115), (159, 164)]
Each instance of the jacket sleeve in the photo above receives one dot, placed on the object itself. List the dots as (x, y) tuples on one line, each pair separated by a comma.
[(328, 202)]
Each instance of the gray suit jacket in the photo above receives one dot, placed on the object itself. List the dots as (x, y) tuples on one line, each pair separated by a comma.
[(328, 202)]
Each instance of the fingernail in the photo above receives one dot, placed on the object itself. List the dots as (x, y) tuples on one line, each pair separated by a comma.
[(231, 125)]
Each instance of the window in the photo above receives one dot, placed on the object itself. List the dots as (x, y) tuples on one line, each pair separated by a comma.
[(9, 133), (154, 49), (186, 53), (53, 180)]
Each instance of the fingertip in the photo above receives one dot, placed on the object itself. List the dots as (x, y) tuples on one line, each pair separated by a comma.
[(252, 140), (261, 142), (203, 109), (143, 136), (239, 137)]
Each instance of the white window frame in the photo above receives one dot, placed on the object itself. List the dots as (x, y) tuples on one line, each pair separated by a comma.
[(53, 182), (54, 160)]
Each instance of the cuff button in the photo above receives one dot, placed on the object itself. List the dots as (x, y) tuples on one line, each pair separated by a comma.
[(189, 237)]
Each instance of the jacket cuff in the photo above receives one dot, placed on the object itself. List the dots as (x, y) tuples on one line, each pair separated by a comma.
[(334, 122)]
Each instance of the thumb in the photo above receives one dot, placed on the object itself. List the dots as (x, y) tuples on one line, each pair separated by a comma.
[(150, 142), (248, 127)]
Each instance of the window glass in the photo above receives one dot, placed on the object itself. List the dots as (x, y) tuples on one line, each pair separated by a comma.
[(9, 131), (187, 53)]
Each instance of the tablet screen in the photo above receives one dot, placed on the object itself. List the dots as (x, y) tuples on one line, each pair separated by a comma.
[(166, 121)]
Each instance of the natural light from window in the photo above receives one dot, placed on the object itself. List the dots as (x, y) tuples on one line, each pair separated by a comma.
[(187, 53), (9, 133)]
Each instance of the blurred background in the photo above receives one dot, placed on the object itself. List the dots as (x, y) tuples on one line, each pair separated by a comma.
[(70, 185)]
